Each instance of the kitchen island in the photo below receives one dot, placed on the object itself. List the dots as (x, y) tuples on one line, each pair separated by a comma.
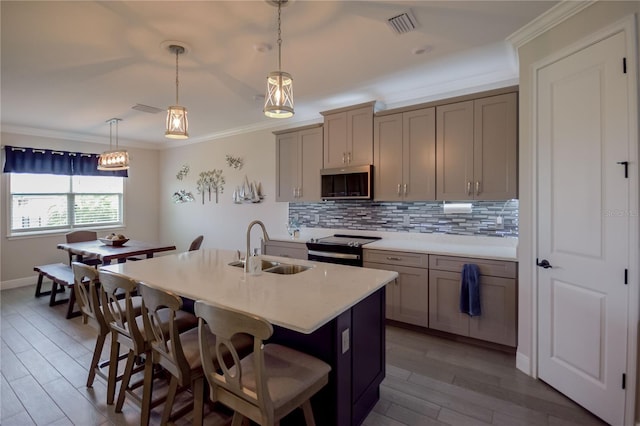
[(330, 311)]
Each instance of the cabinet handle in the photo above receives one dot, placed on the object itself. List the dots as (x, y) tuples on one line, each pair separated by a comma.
[(398, 189), (348, 157), (477, 187), (393, 258), (395, 281), (405, 189), (469, 188), (295, 192), (299, 192), (344, 156)]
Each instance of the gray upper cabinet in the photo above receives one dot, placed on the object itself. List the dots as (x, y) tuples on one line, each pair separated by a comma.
[(476, 148), (348, 136), (298, 164), (404, 156)]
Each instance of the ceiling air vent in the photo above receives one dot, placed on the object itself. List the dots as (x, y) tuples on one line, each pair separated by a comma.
[(403, 23), (147, 108)]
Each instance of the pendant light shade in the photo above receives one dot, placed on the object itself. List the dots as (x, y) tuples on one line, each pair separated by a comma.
[(279, 96), (114, 159), (177, 126)]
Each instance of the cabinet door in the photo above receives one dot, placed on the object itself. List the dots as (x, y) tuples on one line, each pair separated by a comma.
[(387, 158), (411, 301), (310, 148), (498, 320), (360, 136), (408, 295), (335, 140), (419, 155), (495, 147), (454, 149), (444, 303), (286, 166)]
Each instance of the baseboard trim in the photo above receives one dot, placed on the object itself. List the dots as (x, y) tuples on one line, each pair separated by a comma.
[(523, 363), (18, 282)]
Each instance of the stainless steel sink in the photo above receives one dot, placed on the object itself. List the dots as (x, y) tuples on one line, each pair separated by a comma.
[(275, 267), (285, 269), (266, 264)]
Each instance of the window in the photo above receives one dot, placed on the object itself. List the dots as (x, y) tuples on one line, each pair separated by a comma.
[(41, 202)]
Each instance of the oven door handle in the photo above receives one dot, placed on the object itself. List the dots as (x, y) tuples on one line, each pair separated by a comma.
[(334, 255)]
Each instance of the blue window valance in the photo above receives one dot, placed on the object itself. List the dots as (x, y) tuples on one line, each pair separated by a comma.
[(47, 161)]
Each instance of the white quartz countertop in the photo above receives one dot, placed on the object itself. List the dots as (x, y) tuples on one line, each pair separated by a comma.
[(495, 248), (301, 302)]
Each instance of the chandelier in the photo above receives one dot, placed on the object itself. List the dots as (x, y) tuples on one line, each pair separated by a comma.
[(114, 159), (279, 97), (177, 126)]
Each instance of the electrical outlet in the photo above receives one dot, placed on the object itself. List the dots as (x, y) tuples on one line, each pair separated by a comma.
[(345, 341), (316, 218), (405, 220), (499, 222)]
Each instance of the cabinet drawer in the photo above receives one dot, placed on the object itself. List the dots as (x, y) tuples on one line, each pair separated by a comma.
[(495, 268), (282, 249), (416, 260)]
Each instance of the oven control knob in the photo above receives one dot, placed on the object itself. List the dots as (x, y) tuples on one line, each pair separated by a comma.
[(313, 240)]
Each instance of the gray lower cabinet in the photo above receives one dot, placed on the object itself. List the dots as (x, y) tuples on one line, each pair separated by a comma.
[(498, 321), (407, 296), (294, 250), (427, 293)]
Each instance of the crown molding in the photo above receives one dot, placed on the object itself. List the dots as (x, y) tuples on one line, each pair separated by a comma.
[(75, 137), (549, 19)]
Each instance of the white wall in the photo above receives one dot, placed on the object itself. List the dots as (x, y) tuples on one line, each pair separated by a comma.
[(591, 19), (20, 254), (223, 224)]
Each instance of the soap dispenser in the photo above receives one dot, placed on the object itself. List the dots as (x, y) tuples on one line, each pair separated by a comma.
[(255, 263)]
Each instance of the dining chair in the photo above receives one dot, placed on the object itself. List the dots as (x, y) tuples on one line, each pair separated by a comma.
[(196, 243), (78, 237), (179, 353), (127, 330), (267, 384), (86, 283)]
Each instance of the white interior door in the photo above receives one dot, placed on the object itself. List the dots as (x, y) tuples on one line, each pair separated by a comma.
[(583, 226)]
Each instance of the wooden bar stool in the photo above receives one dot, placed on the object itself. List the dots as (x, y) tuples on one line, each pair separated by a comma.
[(127, 329), (264, 386), (179, 353), (86, 288)]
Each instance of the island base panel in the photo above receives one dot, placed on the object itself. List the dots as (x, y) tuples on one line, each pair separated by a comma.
[(362, 364)]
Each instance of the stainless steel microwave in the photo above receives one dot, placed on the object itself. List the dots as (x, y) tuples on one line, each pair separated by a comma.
[(347, 183)]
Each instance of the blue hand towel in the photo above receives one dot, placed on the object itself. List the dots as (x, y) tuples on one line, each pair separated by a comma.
[(470, 290)]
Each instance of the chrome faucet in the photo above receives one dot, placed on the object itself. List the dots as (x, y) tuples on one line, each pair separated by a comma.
[(265, 236)]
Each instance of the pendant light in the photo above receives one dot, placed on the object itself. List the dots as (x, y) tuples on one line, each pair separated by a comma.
[(114, 159), (279, 97), (177, 125)]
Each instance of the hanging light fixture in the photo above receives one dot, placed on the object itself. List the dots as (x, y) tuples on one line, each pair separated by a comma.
[(279, 97), (114, 159), (177, 124)]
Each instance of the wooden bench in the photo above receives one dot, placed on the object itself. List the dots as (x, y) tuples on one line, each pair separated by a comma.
[(61, 276)]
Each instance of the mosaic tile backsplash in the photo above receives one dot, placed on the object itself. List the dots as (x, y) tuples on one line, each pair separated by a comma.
[(422, 216)]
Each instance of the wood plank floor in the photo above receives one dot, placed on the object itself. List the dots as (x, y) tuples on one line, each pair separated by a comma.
[(430, 380)]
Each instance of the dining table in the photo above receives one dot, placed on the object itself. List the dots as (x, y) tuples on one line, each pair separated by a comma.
[(107, 253)]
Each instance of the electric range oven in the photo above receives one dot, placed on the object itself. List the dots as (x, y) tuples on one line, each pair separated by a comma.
[(339, 248)]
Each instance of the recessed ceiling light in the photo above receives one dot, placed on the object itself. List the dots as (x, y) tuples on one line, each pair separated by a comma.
[(422, 49), (262, 47)]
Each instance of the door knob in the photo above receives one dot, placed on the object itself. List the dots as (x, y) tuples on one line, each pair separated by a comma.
[(544, 263)]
